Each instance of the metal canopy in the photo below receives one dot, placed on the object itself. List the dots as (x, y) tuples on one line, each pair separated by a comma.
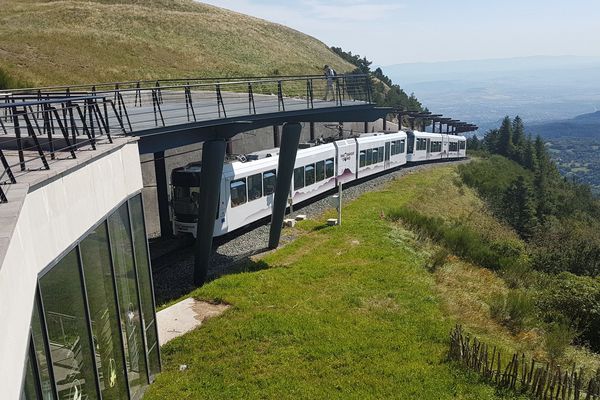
[(163, 138)]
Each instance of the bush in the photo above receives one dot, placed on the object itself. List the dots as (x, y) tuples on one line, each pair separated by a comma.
[(557, 338), (438, 259), (576, 299), (515, 310)]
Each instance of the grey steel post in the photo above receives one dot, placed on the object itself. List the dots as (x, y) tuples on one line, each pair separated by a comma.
[(162, 193), (290, 138), (339, 207), (213, 156)]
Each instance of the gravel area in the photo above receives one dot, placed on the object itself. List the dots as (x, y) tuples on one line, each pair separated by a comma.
[(173, 271)]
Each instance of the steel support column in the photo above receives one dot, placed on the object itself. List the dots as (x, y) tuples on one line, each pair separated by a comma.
[(276, 136), (290, 139), (366, 128), (213, 156), (312, 131), (162, 193)]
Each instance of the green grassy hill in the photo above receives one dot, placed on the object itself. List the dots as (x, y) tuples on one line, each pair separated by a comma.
[(70, 41)]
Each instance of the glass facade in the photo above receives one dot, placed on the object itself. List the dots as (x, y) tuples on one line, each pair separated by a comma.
[(93, 327)]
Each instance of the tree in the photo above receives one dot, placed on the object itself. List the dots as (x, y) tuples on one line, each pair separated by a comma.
[(505, 143), (519, 206), (529, 155), (491, 140), (473, 143), (518, 139)]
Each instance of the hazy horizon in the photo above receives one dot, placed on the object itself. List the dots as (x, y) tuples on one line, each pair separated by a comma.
[(392, 32)]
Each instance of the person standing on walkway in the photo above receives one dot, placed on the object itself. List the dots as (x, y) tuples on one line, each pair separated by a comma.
[(330, 76)]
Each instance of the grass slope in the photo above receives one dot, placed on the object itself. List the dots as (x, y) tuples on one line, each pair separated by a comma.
[(70, 41), (346, 312)]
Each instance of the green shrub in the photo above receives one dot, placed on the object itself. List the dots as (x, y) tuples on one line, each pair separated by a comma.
[(576, 299), (520, 308), (514, 310), (498, 307), (438, 259), (557, 337)]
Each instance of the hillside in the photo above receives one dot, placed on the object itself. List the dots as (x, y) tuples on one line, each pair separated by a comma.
[(70, 41)]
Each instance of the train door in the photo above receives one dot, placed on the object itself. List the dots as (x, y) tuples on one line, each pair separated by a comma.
[(386, 164), (411, 143)]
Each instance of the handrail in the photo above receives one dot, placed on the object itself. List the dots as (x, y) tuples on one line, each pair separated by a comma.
[(39, 124)]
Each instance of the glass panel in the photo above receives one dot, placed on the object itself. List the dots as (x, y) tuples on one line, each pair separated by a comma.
[(369, 156), (254, 187), (145, 281), (68, 333), (130, 319), (380, 155), (310, 174), (320, 167), (238, 192), (41, 352), (100, 289), (269, 179), (298, 178), (29, 391), (329, 168), (363, 159)]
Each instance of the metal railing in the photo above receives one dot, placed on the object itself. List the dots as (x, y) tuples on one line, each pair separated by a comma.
[(39, 126)]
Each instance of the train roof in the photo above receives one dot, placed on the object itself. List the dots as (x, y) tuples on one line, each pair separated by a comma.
[(431, 135), (267, 157)]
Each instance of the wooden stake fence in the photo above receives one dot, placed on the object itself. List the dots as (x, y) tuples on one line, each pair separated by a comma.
[(541, 381)]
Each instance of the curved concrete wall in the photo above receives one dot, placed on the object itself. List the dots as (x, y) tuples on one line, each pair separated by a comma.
[(53, 217)]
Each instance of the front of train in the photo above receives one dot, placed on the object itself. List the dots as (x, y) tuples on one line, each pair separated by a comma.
[(185, 186)]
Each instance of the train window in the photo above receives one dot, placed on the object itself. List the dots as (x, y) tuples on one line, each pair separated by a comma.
[(254, 187), (393, 148), (401, 146), (380, 155), (329, 169), (269, 179), (298, 178), (453, 146), (369, 156), (320, 166), (462, 145), (362, 159), (238, 192), (309, 174), (421, 144)]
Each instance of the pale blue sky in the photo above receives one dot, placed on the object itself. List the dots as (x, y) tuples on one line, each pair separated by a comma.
[(390, 32)]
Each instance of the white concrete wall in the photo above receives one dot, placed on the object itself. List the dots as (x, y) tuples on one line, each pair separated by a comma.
[(52, 218)]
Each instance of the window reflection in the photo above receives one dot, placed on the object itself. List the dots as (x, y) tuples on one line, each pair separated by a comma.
[(68, 333), (103, 312), (143, 268), (120, 238)]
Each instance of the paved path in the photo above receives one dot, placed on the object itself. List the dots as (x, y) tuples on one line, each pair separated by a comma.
[(185, 316)]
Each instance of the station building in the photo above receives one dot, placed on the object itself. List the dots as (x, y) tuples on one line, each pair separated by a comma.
[(76, 299)]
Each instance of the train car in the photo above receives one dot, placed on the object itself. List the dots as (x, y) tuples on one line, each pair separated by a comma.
[(379, 152), (426, 146), (314, 172), (248, 183)]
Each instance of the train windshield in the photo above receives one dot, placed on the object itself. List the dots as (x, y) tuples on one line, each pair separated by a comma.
[(185, 201)]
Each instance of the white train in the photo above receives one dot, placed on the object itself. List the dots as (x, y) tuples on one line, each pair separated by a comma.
[(247, 188)]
